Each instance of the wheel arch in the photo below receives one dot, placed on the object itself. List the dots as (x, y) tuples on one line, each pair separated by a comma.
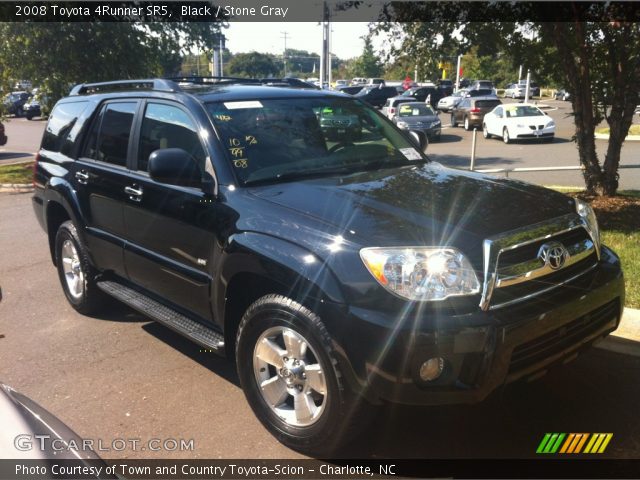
[(255, 265), (60, 205)]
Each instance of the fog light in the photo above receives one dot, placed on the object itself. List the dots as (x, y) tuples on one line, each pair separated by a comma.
[(431, 369)]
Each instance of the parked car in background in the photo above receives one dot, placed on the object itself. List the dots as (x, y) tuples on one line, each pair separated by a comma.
[(358, 81), (447, 103), (481, 92), (351, 89), (14, 102), (3, 136), (562, 94), (482, 85), (340, 83), (445, 86), (375, 81), (419, 118), (337, 123), (518, 90), (420, 94), (390, 108), (34, 106), (376, 96), (471, 111), (518, 121)]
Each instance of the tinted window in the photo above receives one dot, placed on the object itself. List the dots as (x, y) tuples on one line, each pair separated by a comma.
[(56, 137), (109, 137), (166, 126), (487, 103)]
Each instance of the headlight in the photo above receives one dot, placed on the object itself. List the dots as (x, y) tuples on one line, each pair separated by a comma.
[(587, 213), (551, 124), (421, 273), (402, 125), (520, 125), (435, 124)]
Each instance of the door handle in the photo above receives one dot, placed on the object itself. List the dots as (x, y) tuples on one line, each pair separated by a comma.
[(135, 194), (82, 177)]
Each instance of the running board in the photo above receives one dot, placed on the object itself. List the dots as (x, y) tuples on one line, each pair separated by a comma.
[(191, 329)]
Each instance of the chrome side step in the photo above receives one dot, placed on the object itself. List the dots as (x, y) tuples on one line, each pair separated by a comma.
[(191, 329)]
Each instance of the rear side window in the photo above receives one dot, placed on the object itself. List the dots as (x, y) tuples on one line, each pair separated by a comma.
[(166, 126), (58, 135), (109, 138)]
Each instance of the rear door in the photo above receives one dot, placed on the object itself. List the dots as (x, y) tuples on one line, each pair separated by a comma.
[(170, 229), (100, 179)]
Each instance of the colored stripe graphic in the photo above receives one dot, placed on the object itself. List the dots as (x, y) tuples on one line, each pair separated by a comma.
[(574, 443)]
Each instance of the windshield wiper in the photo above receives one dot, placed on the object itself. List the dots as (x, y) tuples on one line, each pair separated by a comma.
[(327, 172)]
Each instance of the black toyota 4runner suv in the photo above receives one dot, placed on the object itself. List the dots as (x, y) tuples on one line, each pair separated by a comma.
[(340, 272)]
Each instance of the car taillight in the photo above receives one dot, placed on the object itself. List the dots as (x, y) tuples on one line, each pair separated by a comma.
[(35, 168), (475, 110), (392, 110)]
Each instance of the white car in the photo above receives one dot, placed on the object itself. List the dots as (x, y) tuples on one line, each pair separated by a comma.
[(518, 121), (445, 104)]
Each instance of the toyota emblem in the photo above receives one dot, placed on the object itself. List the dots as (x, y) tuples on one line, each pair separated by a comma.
[(553, 254)]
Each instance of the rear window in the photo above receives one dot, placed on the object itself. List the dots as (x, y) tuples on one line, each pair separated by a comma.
[(487, 103), (59, 134)]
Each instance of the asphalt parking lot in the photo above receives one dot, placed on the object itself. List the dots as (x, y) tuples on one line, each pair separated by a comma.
[(120, 376)]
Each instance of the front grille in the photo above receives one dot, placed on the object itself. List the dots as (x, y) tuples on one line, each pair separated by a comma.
[(527, 255), (555, 341), (529, 251)]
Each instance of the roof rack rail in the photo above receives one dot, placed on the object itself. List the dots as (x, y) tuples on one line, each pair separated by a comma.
[(200, 80), (158, 84)]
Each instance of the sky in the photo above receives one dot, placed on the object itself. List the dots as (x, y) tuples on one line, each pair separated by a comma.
[(268, 37)]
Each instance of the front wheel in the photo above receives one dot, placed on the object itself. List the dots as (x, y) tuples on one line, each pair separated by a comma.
[(505, 136), (290, 376), (485, 132)]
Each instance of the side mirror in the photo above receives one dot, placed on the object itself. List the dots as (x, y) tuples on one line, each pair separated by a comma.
[(419, 141), (174, 166)]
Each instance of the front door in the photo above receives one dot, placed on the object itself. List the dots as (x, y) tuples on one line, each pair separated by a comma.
[(170, 229)]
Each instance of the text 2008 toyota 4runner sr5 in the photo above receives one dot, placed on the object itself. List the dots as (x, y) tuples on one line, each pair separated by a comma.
[(338, 264)]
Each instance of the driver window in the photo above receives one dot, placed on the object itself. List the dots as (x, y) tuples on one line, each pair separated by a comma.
[(166, 126), (499, 112)]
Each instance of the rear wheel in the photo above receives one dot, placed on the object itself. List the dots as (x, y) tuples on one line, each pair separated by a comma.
[(77, 276), (505, 135), (291, 378), (467, 125), (454, 122)]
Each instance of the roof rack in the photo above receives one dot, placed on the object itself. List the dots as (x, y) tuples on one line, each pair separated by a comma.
[(198, 80), (158, 84)]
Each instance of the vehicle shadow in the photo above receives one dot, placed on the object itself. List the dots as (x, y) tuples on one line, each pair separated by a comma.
[(218, 365), (115, 311), (13, 155), (447, 138), (593, 394)]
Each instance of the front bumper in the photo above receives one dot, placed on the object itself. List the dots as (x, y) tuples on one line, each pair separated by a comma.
[(3, 139), (481, 350), (430, 132), (529, 134)]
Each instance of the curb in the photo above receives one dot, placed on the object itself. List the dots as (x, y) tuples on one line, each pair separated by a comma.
[(626, 339), (16, 187), (628, 138)]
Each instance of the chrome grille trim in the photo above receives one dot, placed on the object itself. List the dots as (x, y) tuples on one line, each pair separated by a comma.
[(494, 246)]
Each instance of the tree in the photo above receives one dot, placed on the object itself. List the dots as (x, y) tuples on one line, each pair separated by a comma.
[(57, 55), (254, 65), (368, 64), (597, 50)]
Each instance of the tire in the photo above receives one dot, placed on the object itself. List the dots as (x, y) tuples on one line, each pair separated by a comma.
[(29, 116), (505, 135), (77, 275), (19, 112), (467, 125), (485, 132), (513, 95), (269, 341), (454, 122)]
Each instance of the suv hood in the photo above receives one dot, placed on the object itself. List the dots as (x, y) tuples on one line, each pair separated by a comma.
[(418, 205)]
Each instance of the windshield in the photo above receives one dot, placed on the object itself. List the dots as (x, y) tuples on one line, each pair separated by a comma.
[(416, 110), (279, 139), (523, 111)]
